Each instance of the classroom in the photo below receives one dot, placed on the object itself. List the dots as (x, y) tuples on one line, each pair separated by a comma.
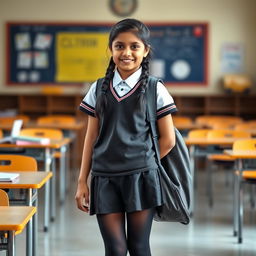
[(51, 54)]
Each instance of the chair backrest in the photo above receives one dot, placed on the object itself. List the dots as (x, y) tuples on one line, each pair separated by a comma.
[(54, 134), (249, 144), (227, 134), (4, 199), (198, 133), (221, 125), (245, 126), (181, 120), (210, 120), (10, 120), (1, 134), (56, 119), (17, 163)]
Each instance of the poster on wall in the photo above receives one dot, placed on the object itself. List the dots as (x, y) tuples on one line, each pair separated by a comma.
[(40, 53), (232, 58)]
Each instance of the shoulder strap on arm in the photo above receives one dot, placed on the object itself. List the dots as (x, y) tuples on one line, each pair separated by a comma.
[(151, 94), (98, 86)]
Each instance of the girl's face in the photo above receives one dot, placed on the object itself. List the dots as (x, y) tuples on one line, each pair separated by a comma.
[(128, 52)]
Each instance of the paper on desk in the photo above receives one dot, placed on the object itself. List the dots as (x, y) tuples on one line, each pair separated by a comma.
[(8, 176)]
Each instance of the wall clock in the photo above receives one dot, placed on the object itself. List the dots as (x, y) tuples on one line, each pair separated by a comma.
[(123, 7)]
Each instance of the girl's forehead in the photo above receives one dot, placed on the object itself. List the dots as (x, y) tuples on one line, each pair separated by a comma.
[(127, 37)]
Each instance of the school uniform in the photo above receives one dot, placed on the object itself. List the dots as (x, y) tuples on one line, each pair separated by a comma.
[(124, 170)]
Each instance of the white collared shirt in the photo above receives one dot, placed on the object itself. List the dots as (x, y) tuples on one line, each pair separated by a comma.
[(165, 103)]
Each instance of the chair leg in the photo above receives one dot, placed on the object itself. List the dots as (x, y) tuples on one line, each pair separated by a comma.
[(209, 188), (235, 196), (240, 212), (252, 196)]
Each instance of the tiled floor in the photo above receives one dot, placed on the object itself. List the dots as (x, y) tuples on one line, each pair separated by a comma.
[(210, 232)]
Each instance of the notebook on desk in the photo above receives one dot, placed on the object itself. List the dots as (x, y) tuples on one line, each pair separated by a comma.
[(8, 176), (16, 127)]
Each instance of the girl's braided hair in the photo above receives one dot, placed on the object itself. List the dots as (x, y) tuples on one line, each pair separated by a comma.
[(143, 33)]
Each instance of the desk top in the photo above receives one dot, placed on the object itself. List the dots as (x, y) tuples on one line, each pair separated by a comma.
[(28, 180), (55, 144), (187, 126), (207, 142), (242, 154), (74, 126), (15, 217)]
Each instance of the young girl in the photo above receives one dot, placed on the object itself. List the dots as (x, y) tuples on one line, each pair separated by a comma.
[(124, 190)]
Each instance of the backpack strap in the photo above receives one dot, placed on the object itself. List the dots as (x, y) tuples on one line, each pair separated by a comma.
[(151, 112), (99, 85)]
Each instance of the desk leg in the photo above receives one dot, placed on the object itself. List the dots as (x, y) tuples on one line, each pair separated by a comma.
[(11, 250), (240, 203), (236, 198), (35, 225), (47, 162), (30, 227), (192, 167), (53, 190), (63, 150)]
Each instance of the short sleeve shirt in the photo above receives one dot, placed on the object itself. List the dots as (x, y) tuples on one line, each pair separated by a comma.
[(165, 103)]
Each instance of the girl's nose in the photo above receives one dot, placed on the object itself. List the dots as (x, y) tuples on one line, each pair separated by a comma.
[(127, 52)]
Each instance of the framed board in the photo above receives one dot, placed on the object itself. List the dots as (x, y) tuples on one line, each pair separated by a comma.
[(40, 53)]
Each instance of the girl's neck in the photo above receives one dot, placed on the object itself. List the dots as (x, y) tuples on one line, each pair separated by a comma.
[(125, 75)]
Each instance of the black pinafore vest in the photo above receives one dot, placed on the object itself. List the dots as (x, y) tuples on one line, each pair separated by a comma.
[(124, 145)]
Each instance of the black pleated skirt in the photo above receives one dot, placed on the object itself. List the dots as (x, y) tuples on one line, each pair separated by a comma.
[(126, 193)]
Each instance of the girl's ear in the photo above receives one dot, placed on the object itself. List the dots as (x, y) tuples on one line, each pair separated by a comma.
[(147, 49)]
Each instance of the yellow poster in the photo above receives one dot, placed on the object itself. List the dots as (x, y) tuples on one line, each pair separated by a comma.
[(81, 57)]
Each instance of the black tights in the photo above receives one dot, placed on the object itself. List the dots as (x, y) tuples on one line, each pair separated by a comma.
[(136, 241)]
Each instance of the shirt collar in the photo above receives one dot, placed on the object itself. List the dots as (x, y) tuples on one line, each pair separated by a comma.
[(131, 81)]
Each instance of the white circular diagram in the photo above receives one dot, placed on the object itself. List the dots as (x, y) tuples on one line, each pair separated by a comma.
[(180, 69)]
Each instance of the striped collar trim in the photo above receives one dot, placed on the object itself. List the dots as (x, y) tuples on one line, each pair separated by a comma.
[(126, 95)]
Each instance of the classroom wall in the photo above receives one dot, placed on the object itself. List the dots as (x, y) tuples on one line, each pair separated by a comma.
[(229, 21)]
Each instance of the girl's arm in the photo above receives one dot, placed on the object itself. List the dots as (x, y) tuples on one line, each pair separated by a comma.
[(82, 193), (166, 135)]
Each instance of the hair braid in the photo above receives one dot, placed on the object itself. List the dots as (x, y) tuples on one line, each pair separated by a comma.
[(143, 82), (101, 102)]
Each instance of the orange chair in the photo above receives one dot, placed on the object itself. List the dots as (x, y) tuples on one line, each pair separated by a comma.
[(4, 201), (246, 126), (220, 159), (9, 163), (208, 120), (1, 134), (17, 163), (223, 123), (199, 151), (54, 134), (56, 119), (181, 120), (243, 176), (4, 198), (10, 120)]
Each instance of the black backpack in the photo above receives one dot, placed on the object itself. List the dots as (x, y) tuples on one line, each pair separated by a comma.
[(174, 168)]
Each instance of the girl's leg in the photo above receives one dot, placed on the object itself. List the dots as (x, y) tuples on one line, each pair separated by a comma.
[(112, 228), (138, 232)]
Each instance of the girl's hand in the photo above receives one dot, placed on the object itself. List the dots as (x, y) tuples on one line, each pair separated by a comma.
[(82, 197)]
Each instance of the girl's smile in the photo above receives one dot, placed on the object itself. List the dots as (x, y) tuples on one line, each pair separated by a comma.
[(128, 52)]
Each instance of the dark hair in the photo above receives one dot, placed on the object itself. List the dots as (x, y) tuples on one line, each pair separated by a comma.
[(143, 33)]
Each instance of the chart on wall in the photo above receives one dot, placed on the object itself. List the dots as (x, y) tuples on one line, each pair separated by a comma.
[(72, 53)]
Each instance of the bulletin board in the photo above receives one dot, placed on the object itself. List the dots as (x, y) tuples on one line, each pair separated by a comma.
[(75, 53)]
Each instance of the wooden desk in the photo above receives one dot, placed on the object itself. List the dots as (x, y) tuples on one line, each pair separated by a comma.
[(49, 150), (31, 182), (193, 143), (239, 156), (76, 133), (12, 219)]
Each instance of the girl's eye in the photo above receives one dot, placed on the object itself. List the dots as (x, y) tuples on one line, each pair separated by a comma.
[(118, 46), (135, 46)]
